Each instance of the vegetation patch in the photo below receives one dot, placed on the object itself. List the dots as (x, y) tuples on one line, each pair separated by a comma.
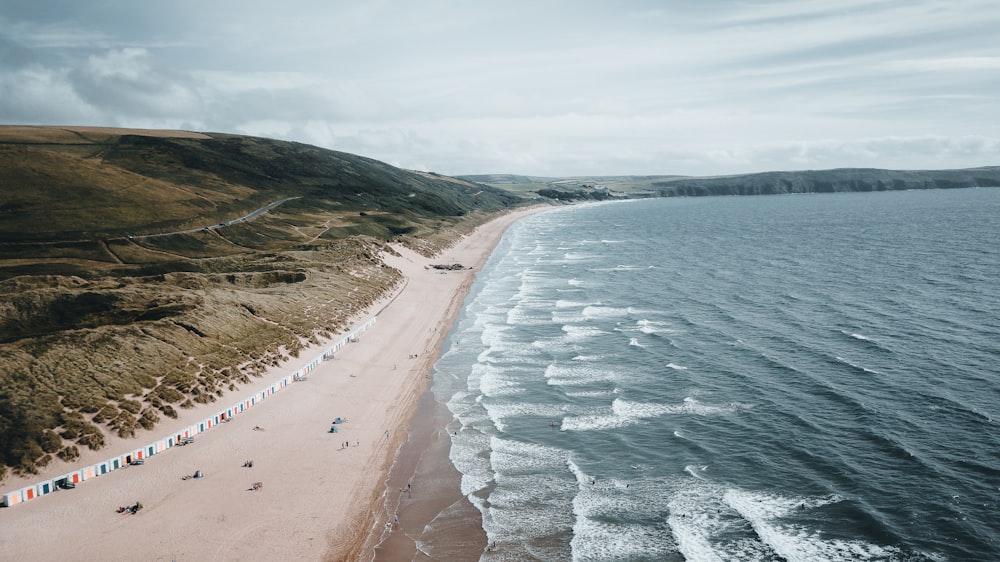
[(145, 274)]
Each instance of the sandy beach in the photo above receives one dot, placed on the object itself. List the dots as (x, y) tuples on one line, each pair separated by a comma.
[(322, 493)]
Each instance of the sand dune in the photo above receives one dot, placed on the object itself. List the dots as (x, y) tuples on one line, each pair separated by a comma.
[(320, 495)]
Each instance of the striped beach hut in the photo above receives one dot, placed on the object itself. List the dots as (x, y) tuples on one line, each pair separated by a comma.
[(10, 499)]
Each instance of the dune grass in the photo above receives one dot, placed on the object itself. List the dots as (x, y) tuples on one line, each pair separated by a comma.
[(105, 329)]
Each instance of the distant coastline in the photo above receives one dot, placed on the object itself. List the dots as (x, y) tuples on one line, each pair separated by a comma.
[(763, 183)]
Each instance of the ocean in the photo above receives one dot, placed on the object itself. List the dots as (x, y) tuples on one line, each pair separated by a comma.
[(807, 377)]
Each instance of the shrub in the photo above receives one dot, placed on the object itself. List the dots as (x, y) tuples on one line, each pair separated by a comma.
[(130, 406), (50, 441), (148, 419), (105, 413), (69, 453)]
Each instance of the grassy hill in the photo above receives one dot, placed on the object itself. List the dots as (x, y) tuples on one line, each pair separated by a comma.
[(137, 280)]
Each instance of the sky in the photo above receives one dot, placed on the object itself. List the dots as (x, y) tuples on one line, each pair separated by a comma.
[(545, 88)]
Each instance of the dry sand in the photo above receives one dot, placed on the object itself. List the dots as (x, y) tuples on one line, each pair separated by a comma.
[(323, 492)]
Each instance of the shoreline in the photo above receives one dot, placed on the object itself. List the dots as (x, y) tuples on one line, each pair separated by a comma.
[(421, 499), (322, 493)]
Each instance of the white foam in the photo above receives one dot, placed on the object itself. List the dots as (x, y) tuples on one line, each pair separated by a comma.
[(696, 470), (578, 373), (677, 367), (577, 257), (509, 456), (859, 367), (634, 342), (589, 393), (767, 514), (467, 456), (691, 406), (596, 311), (654, 327), (625, 413), (595, 422), (500, 412), (695, 520), (494, 383), (604, 510), (581, 333), (522, 316), (561, 303)]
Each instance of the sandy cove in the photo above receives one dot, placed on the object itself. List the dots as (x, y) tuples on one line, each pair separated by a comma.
[(322, 491)]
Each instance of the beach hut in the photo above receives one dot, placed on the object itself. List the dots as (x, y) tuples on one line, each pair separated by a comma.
[(88, 473), (150, 450), (117, 462), (10, 499), (161, 445), (103, 468), (29, 493), (46, 487)]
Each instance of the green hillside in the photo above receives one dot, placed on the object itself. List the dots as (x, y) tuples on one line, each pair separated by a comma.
[(137, 278)]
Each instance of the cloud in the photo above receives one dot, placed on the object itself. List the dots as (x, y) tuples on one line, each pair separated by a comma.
[(37, 95), (553, 88), (129, 84)]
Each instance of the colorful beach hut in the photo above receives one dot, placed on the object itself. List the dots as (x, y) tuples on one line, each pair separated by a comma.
[(46, 487), (11, 499)]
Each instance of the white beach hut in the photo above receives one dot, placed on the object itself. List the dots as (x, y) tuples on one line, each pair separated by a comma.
[(10, 499)]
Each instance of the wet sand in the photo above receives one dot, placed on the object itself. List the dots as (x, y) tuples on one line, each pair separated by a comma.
[(429, 517)]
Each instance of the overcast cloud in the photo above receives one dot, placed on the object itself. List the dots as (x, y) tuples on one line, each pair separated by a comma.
[(540, 87)]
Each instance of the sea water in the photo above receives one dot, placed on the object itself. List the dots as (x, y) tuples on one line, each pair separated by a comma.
[(810, 377)]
